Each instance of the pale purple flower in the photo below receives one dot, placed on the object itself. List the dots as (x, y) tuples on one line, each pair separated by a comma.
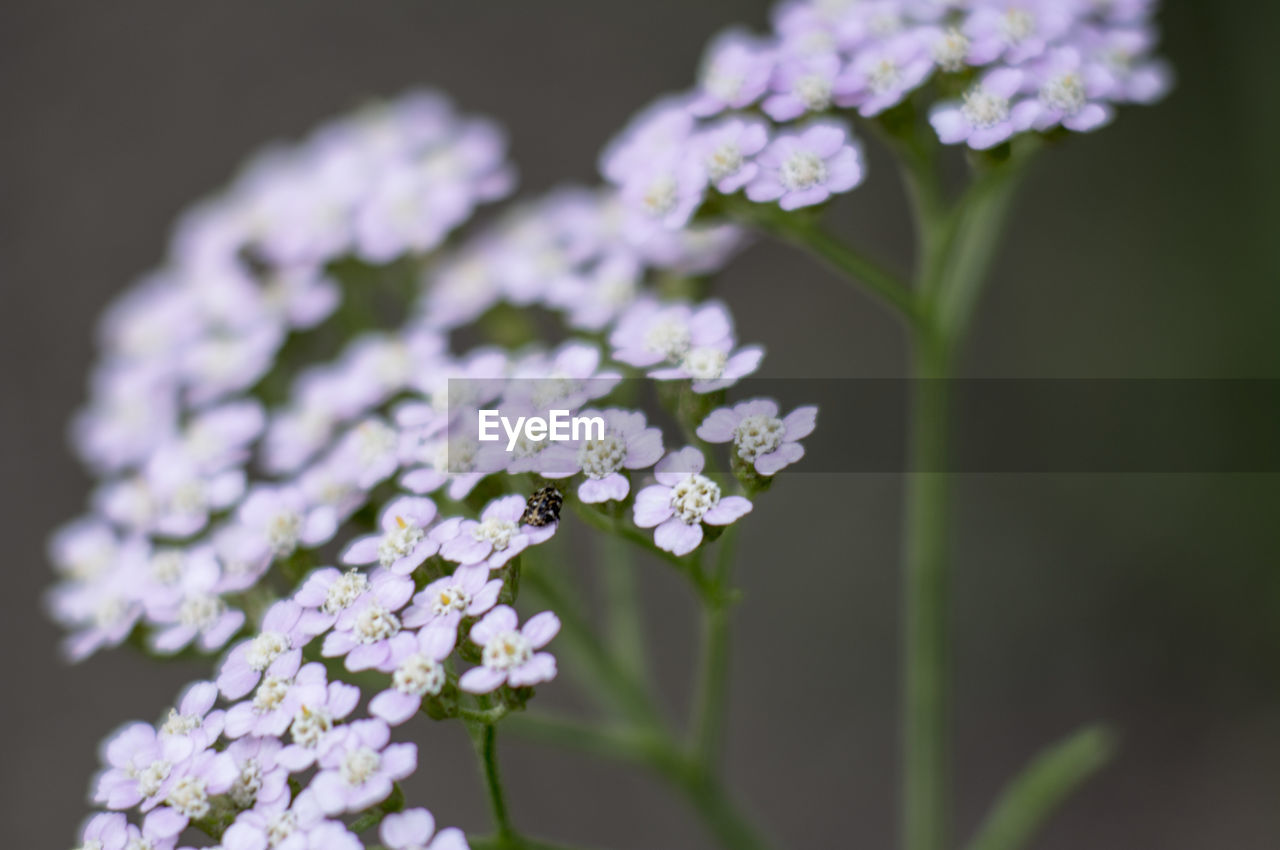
[(649, 332), (727, 148), (1015, 30), (712, 368), (327, 592), (405, 212), (298, 432), (808, 29), (882, 75), (301, 296), (260, 779), (948, 46), (240, 552), (359, 769), (186, 605), (370, 452), (313, 729), (282, 518), (510, 656), (984, 118), (801, 85), (627, 443), (139, 760), (403, 543), (469, 592), (148, 835), (364, 628), (419, 671), (807, 166), (275, 651), (497, 537), (1069, 92), (102, 609), (1124, 54), (682, 500), (656, 132), (105, 831), (84, 548), (132, 409), (187, 789), (455, 459), (330, 486), (219, 365), (567, 378), (282, 825), (376, 366), (276, 702), (220, 437), (592, 298), (666, 191), (194, 717), (759, 437), (463, 285), (128, 502), (415, 829), (736, 69)]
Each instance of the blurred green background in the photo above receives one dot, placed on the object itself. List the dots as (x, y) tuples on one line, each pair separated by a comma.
[(1147, 250)]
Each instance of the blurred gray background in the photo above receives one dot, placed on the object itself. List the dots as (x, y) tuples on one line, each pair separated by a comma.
[(1147, 250)]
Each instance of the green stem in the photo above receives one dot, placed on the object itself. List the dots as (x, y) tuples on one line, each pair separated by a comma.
[(710, 708), (619, 742), (926, 806), (702, 788), (802, 231), (622, 600), (957, 249), (485, 739), (644, 540), (627, 694), (971, 235), (1031, 797)]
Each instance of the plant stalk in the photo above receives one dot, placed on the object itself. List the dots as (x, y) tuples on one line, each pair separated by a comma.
[(485, 739), (926, 803)]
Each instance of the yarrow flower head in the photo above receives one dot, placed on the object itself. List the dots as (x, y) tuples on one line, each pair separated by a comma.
[(230, 469), (419, 671), (404, 543), (498, 536), (803, 168), (469, 592), (363, 631), (870, 57), (415, 829), (985, 117), (626, 443), (276, 650), (682, 500), (510, 655), (760, 438), (360, 766)]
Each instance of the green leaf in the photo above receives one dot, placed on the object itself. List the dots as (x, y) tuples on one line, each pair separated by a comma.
[(1033, 796)]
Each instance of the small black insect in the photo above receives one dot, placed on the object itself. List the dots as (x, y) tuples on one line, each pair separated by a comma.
[(543, 507)]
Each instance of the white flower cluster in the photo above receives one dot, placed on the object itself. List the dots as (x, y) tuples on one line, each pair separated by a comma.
[(224, 483), (768, 115), (176, 398)]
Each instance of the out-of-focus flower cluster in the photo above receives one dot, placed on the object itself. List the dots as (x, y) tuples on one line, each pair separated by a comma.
[(279, 770), (769, 114), (236, 461), (177, 397)]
